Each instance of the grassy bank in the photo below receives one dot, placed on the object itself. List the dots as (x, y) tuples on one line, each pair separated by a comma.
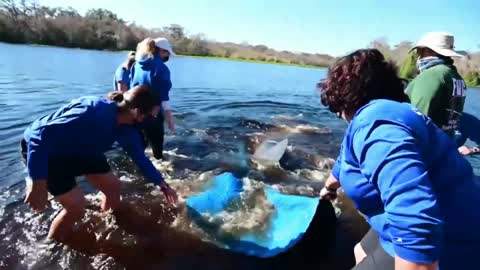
[(252, 61)]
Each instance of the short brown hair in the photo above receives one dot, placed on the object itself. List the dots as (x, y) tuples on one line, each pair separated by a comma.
[(356, 79)]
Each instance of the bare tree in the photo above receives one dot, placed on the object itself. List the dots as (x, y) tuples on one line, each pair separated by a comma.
[(12, 9)]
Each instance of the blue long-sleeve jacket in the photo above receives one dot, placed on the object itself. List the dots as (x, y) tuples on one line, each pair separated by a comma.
[(85, 127), (155, 74), (417, 191), (469, 129)]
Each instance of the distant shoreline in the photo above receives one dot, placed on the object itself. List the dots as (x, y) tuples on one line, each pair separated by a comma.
[(252, 61), (29, 22), (184, 55)]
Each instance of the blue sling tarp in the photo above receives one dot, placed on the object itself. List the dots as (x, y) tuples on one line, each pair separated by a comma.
[(291, 218)]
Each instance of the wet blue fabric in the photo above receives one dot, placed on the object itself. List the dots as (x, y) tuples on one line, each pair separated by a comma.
[(292, 217)]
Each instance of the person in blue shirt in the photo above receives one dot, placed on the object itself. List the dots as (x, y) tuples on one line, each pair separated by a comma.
[(150, 70), (469, 129), (121, 79), (418, 193), (71, 142)]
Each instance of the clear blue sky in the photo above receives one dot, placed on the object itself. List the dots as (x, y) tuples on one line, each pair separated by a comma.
[(334, 26)]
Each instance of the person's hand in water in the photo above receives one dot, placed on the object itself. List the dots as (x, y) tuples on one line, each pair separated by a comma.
[(37, 195), (329, 191), (169, 193), (464, 150), (169, 118)]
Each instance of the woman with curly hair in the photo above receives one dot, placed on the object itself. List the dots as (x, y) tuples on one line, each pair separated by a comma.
[(403, 172)]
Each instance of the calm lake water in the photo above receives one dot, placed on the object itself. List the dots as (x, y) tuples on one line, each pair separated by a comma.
[(222, 110)]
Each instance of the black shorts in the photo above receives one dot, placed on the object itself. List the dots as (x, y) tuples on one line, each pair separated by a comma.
[(63, 170), (377, 258)]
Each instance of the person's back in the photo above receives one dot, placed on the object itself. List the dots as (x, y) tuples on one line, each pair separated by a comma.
[(451, 177), (439, 92), (88, 125)]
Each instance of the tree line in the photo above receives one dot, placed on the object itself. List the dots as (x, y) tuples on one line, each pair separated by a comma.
[(24, 21)]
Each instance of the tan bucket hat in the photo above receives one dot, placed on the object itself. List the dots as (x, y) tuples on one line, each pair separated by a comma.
[(439, 42)]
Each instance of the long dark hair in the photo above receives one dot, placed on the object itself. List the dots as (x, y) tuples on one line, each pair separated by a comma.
[(140, 97), (356, 79)]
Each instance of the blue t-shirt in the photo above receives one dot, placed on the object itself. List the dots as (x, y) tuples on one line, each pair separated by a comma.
[(122, 75), (417, 191), (155, 74), (85, 127)]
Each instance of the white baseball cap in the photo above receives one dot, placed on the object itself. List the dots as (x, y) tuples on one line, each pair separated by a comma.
[(439, 42), (163, 43)]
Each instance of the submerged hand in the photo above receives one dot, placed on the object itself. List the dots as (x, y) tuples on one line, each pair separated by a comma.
[(37, 195), (169, 193)]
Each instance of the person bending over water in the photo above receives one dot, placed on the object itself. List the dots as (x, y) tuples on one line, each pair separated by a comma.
[(71, 142), (403, 173)]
